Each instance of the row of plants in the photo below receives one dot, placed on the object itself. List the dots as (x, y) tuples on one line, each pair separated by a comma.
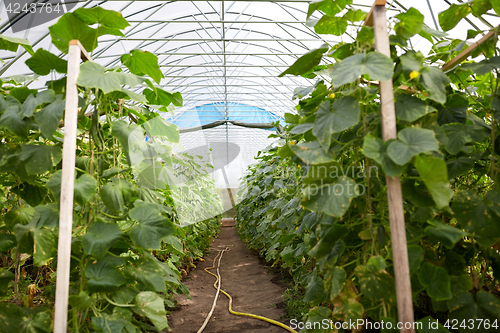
[(316, 201), (136, 199)]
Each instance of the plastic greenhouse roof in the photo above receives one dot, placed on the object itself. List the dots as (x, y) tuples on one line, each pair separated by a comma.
[(223, 56), (219, 111)]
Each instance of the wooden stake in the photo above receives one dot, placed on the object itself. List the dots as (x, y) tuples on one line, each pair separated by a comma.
[(67, 188), (369, 16), (84, 54), (465, 53), (394, 194)]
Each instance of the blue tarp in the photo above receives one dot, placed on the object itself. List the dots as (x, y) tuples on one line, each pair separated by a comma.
[(209, 113)]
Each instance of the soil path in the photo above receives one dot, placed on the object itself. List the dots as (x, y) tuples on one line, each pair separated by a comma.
[(244, 277)]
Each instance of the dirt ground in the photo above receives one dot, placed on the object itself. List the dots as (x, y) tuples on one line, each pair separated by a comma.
[(245, 278)]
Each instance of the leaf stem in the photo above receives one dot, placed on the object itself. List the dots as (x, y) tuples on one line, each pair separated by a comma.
[(117, 304)]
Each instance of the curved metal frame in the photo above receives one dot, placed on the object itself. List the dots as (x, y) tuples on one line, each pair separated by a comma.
[(218, 52)]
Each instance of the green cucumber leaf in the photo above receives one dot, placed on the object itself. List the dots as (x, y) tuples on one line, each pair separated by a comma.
[(93, 75), (104, 17), (161, 97), (330, 243), (312, 153), (444, 233), (44, 245), (376, 149), (36, 320), (458, 135), (148, 272), (354, 15), (12, 44), (29, 106), (12, 120), (410, 23), (36, 240), (19, 215), (143, 63), (332, 25), (99, 238), (5, 278), (152, 226), (7, 242), (315, 290), (461, 283), (335, 117), (435, 81), (43, 62), (103, 276), (81, 301), (410, 108), (302, 128), (478, 217), (463, 308), (377, 286), (412, 141), (375, 64), (333, 199), (306, 62), (376, 264), (9, 317), (480, 7), (459, 166), (436, 281), (454, 110), (40, 158), (484, 66), (112, 197), (70, 27), (433, 172), (160, 127), (449, 18), (415, 258), (329, 7), (334, 280), (152, 306), (50, 116), (85, 187), (108, 324)]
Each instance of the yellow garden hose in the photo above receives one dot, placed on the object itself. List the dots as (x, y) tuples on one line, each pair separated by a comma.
[(217, 287)]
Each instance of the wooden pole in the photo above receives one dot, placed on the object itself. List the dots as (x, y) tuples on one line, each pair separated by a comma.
[(466, 53), (394, 194), (67, 188)]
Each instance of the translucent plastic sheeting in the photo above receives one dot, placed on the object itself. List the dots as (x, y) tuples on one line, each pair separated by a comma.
[(230, 149), (212, 112)]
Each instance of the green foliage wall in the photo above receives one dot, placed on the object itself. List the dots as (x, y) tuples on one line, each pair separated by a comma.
[(128, 249), (316, 203)]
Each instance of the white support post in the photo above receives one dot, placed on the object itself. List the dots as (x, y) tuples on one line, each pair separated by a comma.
[(394, 193), (67, 188)]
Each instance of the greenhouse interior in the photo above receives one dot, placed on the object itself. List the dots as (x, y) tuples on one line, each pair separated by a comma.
[(249, 166)]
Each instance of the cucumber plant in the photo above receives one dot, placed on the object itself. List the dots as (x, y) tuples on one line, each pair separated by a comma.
[(128, 247), (316, 203)]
